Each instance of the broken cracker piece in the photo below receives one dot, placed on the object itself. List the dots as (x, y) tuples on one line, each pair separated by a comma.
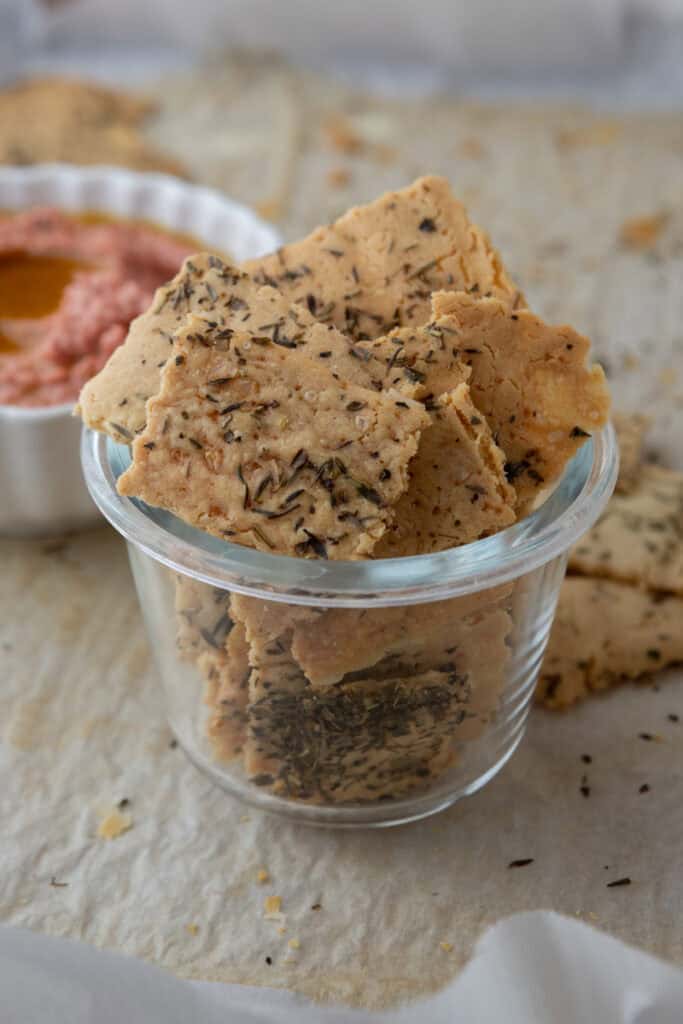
[(375, 268), (202, 616), (458, 491), (227, 674), (272, 905), (262, 446), (356, 742), (114, 401), (409, 641), (531, 382), (639, 537), (604, 633)]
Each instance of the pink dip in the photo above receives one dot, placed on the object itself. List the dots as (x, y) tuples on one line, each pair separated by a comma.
[(58, 353)]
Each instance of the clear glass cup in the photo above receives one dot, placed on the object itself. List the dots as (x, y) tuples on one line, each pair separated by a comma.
[(364, 693)]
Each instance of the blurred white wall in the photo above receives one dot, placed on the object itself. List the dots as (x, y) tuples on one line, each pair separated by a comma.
[(491, 34)]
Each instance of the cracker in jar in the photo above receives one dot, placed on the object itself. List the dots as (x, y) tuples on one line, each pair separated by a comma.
[(532, 383), (361, 741), (202, 617), (258, 444), (227, 694), (458, 491), (606, 633)]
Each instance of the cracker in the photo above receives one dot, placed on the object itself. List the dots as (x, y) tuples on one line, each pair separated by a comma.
[(471, 630), (268, 620), (458, 491), (114, 401), (530, 381), (56, 119), (639, 538), (227, 693), (631, 429), (419, 361), (361, 741), (604, 633), (202, 617), (255, 442), (375, 268)]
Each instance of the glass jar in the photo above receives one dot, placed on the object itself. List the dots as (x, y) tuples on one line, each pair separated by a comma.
[(363, 693)]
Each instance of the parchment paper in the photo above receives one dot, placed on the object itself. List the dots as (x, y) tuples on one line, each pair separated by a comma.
[(81, 712)]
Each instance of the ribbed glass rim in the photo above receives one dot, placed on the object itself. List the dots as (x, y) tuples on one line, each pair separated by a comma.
[(570, 510)]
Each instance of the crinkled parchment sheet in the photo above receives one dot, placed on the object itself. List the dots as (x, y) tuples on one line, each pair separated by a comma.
[(81, 714)]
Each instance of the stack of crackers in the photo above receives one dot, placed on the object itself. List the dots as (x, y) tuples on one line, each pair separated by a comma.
[(377, 389), (620, 614)]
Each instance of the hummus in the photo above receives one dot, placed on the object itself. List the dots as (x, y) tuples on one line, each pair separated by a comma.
[(69, 288)]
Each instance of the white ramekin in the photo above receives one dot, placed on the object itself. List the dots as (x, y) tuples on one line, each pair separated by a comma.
[(41, 486)]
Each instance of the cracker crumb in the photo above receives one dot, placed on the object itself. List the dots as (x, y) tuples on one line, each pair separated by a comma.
[(668, 377), (294, 944), (262, 876), (269, 209), (338, 177), (245, 818), (447, 947), (600, 132), (193, 929), (471, 148), (341, 135), (272, 904), (282, 930), (642, 232), (114, 824), (631, 361)]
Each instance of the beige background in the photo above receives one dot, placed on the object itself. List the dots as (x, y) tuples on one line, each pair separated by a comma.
[(81, 717)]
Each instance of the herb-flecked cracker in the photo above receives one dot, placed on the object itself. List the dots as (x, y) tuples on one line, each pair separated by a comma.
[(202, 617), (605, 633), (376, 267), (227, 694), (114, 401), (531, 382), (471, 630), (639, 537), (257, 443), (458, 491), (356, 742)]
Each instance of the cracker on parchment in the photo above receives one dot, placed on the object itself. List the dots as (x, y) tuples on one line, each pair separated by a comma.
[(458, 491), (531, 382), (375, 268), (255, 442), (639, 538), (604, 633), (631, 429)]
